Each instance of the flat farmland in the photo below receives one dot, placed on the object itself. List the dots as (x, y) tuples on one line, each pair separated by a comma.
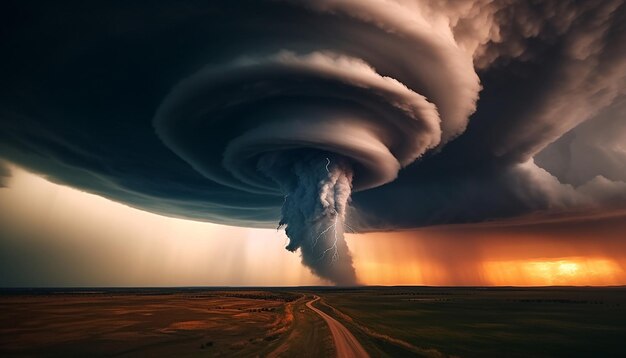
[(297, 322), (220, 323), (483, 322)]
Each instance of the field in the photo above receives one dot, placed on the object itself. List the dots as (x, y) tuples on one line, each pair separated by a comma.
[(481, 322), (156, 323), (387, 321)]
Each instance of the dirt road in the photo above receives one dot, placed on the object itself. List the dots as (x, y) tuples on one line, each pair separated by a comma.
[(345, 343)]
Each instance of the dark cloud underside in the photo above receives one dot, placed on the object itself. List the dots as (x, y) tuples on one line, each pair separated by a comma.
[(445, 112)]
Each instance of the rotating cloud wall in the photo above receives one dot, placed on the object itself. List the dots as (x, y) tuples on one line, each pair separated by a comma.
[(321, 117), (310, 129)]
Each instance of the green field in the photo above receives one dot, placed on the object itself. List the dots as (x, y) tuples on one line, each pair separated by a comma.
[(479, 322)]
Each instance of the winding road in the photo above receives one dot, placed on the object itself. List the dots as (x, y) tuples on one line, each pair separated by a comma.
[(345, 343)]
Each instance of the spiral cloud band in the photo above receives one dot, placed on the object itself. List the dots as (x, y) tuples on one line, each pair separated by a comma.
[(323, 116), (291, 106), (318, 101)]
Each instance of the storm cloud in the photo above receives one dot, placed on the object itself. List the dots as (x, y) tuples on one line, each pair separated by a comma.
[(382, 115)]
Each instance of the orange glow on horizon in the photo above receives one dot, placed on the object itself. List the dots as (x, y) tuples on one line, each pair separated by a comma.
[(61, 236), (566, 272), (488, 259)]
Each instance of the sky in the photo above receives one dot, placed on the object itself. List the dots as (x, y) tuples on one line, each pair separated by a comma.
[(390, 142), (55, 236)]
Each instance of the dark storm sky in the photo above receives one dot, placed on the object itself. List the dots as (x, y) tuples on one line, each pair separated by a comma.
[(451, 112)]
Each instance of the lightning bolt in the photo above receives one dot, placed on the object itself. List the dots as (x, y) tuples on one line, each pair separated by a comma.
[(333, 247), (320, 235), (333, 226)]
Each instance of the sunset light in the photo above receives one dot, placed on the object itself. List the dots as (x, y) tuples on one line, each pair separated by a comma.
[(322, 178), (563, 272)]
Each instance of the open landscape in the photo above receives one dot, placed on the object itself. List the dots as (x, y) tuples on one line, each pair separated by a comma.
[(158, 322), (484, 322), (333, 178), (289, 322)]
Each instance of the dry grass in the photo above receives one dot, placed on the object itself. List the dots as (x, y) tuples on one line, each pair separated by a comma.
[(226, 323)]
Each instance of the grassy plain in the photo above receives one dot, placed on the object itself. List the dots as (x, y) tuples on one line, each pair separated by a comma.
[(484, 322), (274, 322)]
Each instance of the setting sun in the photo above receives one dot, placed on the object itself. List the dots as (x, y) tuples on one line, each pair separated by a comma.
[(568, 268), (569, 271)]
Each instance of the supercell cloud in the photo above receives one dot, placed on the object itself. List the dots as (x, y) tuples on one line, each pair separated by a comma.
[(323, 117)]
